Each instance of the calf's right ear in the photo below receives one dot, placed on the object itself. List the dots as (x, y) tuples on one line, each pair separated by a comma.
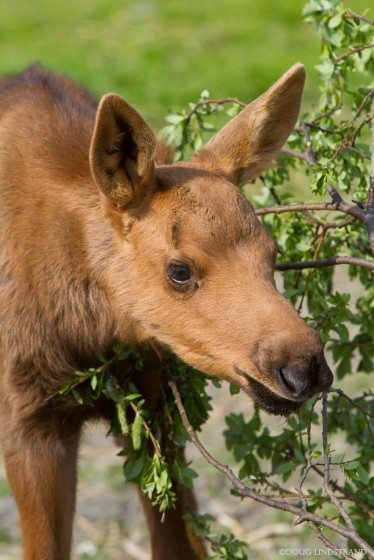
[(122, 152), (248, 143)]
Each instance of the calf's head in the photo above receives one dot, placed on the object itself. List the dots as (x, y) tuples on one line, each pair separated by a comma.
[(198, 272)]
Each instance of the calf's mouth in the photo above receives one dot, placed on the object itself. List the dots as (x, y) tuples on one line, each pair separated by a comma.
[(267, 399)]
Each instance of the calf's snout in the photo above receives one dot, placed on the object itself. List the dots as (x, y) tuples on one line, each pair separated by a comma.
[(296, 364), (304, 378)]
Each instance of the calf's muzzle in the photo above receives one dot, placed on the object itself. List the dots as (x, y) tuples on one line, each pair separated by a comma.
[(293, 369), (303, 378)]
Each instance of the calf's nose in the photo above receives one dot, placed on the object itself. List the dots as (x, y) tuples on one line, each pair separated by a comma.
[(302, 379)]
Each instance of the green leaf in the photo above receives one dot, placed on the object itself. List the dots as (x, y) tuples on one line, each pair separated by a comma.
[(362, 475), (174, 119), (77, 396), (133, 468), (335, 21), (234, 390), (315, 453)]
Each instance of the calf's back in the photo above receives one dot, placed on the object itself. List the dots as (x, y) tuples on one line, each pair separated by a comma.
[(50, 212)]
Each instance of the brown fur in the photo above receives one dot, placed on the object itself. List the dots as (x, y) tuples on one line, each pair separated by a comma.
[(91, 214)]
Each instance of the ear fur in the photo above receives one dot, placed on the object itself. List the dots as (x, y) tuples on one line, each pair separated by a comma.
[(122, 152), (248, 143)]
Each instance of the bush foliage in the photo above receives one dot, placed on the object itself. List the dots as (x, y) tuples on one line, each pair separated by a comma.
[(331, 148)]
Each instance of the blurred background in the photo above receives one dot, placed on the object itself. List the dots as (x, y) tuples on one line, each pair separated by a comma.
[(159, 55)]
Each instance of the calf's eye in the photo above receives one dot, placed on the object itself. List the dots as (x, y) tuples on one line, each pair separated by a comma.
[(179, 273)]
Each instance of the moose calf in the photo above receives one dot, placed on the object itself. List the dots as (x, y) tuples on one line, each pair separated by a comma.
[(103, 239)]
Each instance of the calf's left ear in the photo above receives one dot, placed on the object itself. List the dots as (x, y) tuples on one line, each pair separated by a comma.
[(122, 152), (248, 143)]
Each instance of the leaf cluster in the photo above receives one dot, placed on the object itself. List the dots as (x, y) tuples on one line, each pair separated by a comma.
[(330, 146)]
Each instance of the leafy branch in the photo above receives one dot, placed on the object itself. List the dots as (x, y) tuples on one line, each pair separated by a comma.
[(327, 153), (301, 512)]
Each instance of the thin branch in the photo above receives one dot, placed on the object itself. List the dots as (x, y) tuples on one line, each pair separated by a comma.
[(363, 123), (364, 214), (369, 95), (299, 487), (244, 490), (341, 224), (327, 542), (299, 155), (321, 206), (353, 51), (332, 261), (320, 128), (366, 414), (369, 203), (359, 17), (357, 151), (326, 478), (346, 494), (320, 236), (326, 114), (156, 445), (202, 102), (304, 498)]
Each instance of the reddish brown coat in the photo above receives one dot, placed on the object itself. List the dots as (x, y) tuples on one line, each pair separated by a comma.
[(93, 221)]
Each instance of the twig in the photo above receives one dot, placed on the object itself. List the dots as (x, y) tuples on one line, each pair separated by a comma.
[(353, 403), (332, 261), (369, 204), (365, 19), (303, 498), (364, 214), (318, 244), (352, 51), (341, 224), (326, 541), (301, 513), (326, 479), (202, 102), (346, 494), (370, 94), (323, 129), (321, 206), (299, 155), (326, 114), (154, 441)]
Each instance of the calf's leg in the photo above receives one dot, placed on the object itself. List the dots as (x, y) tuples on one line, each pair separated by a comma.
[(170, 538), (41, 468)]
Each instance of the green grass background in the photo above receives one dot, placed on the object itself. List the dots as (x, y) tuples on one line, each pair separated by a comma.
[(160, 54)]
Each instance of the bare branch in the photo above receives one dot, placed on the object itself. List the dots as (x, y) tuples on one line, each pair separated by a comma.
[(225, 101), (366, 414), (353, 51), (364, 214), (299, 155), (332, 261), (321, 206), (302, 496), (359, 17), (344, 141), (318, 240), (369, 204), (326, 479), (346, 494), (301, 513)]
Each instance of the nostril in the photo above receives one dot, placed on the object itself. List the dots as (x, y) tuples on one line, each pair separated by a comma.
[(293, 381), (286, 381)]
